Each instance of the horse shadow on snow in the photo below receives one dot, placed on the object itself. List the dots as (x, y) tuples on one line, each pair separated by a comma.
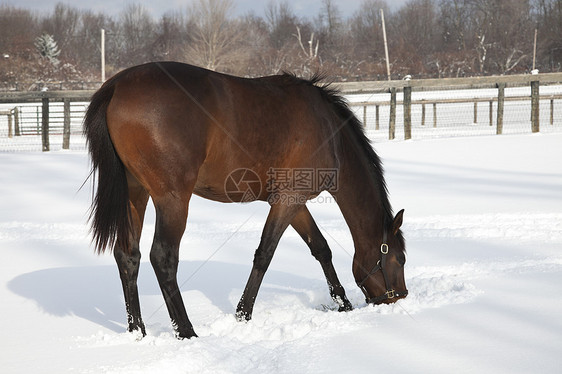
[(95, 294)]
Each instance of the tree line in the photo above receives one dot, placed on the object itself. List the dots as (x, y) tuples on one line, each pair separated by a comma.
[(426, 38)]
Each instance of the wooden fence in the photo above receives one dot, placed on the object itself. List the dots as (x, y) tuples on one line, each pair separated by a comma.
[(498, 100), (13, 120), (45, 98), (496, 82), (406, 87)]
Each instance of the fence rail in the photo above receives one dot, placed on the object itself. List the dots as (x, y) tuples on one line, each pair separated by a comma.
[(446, 85), (41, 119), (492, 109), (54, 85), (441, 84)]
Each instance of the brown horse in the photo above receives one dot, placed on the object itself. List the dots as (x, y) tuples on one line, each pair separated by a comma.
[(169, 130)]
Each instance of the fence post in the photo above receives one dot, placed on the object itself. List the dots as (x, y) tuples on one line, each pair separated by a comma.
[(377, 117), (10, 128), (535, 106), (407, 112), (392, 121), (434, 115), (491, 113), (66, 125), (423, 115), (501, 97), (552, 111), (45, 123), (17, 121), (475, 112), (38, 117)]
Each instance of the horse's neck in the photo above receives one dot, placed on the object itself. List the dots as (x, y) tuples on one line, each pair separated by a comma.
[(360, 202)]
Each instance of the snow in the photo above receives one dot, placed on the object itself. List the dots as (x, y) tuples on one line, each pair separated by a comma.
[(483, 226)]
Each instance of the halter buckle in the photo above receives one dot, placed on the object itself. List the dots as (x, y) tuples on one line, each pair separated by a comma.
[(384, 248)]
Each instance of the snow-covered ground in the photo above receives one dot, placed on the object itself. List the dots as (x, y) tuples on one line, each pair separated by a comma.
[(484, 235)]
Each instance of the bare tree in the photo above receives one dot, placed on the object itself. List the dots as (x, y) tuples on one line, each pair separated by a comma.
[(418, 23), (259, 57), (215, 35), (427, 38), (330, 20), (503, 32), (171, 37), (19, 28), (367, 38), (88, 38), (135, 35), (281, 21), (455, 23), (311, 53), (416, 38), (548, 15)]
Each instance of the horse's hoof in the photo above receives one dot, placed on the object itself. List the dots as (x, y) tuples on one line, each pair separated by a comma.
[(186, 335), (243, 316), (138, 331), (345, 306)]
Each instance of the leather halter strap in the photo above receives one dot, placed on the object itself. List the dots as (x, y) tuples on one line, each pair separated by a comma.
[(381, 265)]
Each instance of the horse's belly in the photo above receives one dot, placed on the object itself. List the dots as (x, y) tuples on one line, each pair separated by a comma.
[(229, 184), (210, 189)]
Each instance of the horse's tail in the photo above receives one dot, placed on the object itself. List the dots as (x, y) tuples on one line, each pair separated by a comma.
[(110, 211)]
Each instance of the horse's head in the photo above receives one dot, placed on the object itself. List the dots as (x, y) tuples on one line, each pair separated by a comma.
[(380, 274)]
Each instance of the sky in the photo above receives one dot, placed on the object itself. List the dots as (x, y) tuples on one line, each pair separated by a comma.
[(302, 8)]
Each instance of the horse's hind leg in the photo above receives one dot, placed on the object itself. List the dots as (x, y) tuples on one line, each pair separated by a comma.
[(128, 261), (171, 217), (304, 224)]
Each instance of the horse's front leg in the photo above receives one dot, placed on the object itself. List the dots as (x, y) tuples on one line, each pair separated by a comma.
[(278, 219), (305, 226)]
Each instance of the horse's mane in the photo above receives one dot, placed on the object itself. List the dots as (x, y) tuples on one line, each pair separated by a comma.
[(351, 130)]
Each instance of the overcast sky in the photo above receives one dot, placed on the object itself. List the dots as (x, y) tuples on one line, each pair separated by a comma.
[(302, 8)]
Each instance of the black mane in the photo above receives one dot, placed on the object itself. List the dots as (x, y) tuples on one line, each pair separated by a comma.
[(351, 128)]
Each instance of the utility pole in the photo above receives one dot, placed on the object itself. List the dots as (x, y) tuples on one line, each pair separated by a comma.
[(385, 45), (102, 55), (535, 49)]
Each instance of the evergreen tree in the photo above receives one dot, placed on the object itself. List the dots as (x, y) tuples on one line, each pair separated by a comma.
[(47, 47)]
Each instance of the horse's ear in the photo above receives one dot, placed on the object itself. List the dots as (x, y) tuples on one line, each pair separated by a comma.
[(397, 222)]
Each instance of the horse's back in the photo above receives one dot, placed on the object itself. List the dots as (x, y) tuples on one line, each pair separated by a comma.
[(175, 122)]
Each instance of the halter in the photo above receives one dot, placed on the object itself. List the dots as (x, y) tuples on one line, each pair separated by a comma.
[(381, 265)]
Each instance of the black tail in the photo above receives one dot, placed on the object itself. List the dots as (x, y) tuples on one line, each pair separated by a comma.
[(109, 213)]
